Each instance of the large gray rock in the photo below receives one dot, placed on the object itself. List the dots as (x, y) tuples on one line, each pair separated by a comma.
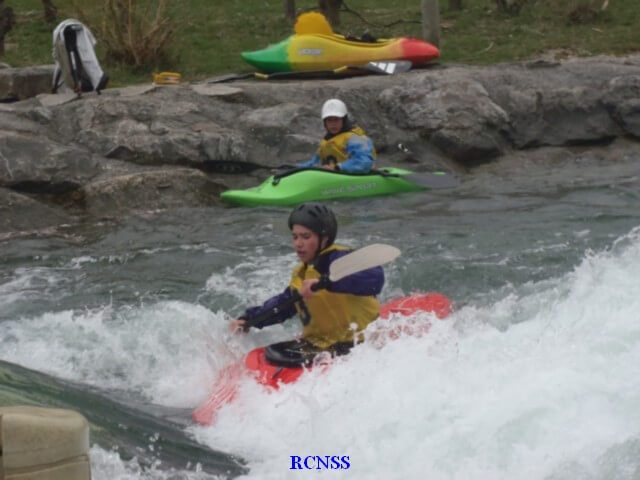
[(270, 125), (563, 116), (295, 148), (22, 83), (148, 191), (154, 128), (12, 120), (36, 164), (143, 147), (21, 215), (561, 104), (457, 116), (622, 99)]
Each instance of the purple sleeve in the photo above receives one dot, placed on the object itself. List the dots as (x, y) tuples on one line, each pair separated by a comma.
[(277, 315)]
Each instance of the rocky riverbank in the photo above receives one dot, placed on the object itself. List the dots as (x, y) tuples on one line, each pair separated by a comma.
[(65, 160)]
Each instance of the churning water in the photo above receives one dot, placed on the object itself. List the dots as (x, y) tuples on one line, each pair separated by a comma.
[(536, 375)]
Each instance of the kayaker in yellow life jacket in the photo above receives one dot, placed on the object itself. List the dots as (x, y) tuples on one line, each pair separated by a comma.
[(334, 316), (345, 147)]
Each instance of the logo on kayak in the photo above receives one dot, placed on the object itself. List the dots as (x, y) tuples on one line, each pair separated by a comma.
[(358, 187), (317, 462), (310, 51)]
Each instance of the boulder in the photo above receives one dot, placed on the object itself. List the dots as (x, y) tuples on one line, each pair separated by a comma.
[(22, 215), (22, 83), (457, 116), (148, 191), (144, 147), (36, 164), (33, 163)]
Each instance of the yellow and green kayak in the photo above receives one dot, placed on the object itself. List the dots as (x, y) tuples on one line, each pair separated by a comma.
[(309, 184), (314, 46)]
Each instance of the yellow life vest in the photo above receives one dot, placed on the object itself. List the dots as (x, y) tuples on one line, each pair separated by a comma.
[(334, 150), (334, 317)]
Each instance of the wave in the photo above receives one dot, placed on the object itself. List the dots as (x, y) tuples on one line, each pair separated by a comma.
[(541, 384)]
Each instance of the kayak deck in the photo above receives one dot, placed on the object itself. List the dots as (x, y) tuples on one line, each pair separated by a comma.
[(311, 184)]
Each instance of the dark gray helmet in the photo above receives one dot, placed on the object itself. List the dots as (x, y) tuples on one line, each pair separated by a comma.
[(316, 217)]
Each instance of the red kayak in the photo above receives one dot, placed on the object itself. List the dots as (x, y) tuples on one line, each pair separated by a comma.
[(272, 375)]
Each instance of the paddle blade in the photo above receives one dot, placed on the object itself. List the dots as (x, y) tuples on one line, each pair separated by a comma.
[(362, 259), (388, 67), (231, 77), (223, 392), (238, 166)]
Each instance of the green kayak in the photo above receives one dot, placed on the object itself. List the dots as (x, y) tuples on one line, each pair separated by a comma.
[(302, 185)]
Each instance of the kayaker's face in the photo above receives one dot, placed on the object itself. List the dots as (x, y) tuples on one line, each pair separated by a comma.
[(305, 243), (333, 124)]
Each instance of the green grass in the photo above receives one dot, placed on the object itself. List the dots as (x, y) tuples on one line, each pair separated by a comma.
[(212, 33)]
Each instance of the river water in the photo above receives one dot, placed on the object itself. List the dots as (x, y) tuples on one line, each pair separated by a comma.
[(536, 375)]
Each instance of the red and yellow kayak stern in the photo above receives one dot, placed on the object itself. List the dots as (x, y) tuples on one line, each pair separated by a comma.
[(417, 51)]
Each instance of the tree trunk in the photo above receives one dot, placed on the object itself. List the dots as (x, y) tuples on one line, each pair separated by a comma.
[(431, 21), (50, 11), (455, 5), (7, 21), (290, 10), (331, 10), (510, 6)]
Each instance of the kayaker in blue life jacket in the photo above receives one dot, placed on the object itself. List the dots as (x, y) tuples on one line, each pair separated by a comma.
[(333, 317), (346, 146)]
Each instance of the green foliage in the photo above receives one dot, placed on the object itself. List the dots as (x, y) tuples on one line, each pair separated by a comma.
[(210, 34), (587, 11), (136, 32), (511, 6)]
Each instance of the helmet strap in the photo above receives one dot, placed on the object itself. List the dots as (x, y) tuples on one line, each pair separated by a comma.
[(322, 244)]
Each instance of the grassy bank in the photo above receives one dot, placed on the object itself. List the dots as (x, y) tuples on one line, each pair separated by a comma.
[(210, 34)]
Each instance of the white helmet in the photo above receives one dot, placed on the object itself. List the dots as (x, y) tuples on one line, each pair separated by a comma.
[(334, 108)]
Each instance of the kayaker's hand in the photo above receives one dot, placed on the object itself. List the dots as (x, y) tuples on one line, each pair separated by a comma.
[(238, 325), (305, 290), (329, 167)]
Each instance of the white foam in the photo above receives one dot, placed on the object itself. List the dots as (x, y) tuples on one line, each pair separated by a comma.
[(28, 283), (543, 384), (160, 351)]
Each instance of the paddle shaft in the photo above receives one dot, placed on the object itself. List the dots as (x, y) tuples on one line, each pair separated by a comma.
[(387, 67), (384, 67), (430, 180), (238, 166)]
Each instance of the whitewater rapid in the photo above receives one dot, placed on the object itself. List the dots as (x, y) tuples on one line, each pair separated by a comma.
[(538, 380), (543, 383)]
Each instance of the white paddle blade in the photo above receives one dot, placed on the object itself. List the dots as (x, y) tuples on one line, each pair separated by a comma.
[(362, 259), (389, 67)]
